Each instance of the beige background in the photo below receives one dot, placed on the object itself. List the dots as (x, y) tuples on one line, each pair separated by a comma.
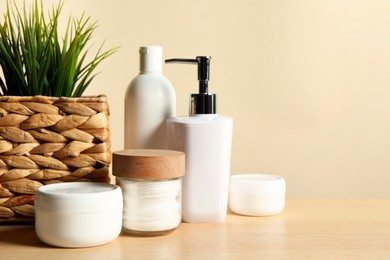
[(307, 82)]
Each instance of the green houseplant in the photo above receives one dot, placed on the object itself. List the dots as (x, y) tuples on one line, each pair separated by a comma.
[(36, 60), (48, 132)]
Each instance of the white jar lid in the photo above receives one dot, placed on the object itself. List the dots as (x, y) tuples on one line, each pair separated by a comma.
[(257, 183), (257, 194), (78, 197)]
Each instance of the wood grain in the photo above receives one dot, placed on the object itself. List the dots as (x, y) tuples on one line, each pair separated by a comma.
[(305, 230)]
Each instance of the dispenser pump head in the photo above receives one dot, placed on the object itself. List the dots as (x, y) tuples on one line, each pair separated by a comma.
[(202, 102)]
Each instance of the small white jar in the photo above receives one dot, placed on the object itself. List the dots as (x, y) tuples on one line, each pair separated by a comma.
[(257, 194), (151, 184), (78, 214)]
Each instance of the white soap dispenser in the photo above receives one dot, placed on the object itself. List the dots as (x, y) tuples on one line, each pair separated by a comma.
[(205, 137), (150, 99)]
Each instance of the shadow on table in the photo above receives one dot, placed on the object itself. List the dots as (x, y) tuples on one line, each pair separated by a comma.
[(20, 235)]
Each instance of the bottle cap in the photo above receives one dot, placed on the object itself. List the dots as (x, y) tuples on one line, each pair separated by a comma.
[(203, 103), (150, 59)]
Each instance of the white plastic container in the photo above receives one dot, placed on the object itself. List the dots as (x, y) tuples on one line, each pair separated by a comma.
[(257, 194), (78, 214), (205, 137), (206, 142), (149, 100)]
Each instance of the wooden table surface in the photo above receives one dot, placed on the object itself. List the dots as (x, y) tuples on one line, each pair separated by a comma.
[(307, 229)]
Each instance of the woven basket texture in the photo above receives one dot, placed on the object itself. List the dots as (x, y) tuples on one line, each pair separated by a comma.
[(47, 140)]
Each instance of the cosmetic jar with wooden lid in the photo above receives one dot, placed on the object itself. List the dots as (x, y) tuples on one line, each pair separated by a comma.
[(151, 184)]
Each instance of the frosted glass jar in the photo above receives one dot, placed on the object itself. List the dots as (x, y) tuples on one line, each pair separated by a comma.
[(257, 194), (78, 214), (151, 185)]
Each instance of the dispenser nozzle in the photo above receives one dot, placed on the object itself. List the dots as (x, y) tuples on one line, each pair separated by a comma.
[(203, 63), (202, 102)]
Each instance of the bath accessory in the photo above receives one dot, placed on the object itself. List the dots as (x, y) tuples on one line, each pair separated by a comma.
[(150, 99), (205, 137), (151, 184), (78, 214), (257, 194)]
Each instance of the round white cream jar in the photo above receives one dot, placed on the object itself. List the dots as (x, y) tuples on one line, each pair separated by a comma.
[(78, 214), (257, 194)]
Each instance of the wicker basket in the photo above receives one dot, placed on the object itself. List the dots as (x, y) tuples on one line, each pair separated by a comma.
[(48, 140)]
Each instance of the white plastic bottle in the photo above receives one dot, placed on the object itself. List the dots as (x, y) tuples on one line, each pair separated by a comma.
[(205, 138), (150, 99)]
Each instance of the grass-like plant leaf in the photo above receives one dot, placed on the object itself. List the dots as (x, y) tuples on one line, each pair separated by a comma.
[(36, 60)]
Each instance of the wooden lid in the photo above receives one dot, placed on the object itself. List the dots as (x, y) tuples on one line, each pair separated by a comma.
[(148, 164)]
